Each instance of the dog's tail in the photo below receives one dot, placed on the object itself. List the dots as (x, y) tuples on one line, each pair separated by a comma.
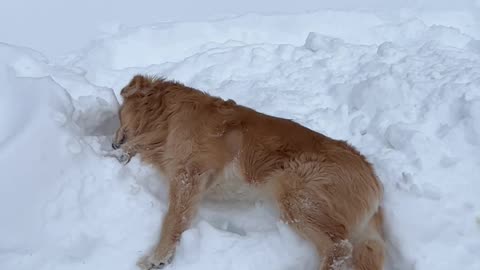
[(369, 250)]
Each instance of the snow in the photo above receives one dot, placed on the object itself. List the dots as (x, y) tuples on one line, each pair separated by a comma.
[(403, 87), (57, 27)]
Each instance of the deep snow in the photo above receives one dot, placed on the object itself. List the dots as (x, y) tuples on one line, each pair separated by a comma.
[(405, 90)]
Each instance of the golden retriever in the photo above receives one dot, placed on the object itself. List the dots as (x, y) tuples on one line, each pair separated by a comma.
[(324, 188)]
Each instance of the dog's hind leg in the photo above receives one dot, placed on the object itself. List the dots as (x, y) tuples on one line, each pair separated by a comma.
[(369, 250), (302, 194), (327, 234)]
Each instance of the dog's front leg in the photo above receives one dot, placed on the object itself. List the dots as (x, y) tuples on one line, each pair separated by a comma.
[(186, 189)]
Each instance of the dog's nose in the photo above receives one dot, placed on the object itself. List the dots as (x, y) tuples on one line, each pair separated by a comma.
[(115, 146)]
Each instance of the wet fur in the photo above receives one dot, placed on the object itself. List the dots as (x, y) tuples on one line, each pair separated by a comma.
[(324, 188)]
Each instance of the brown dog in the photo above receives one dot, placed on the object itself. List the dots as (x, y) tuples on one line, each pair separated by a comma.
[(324, 188)]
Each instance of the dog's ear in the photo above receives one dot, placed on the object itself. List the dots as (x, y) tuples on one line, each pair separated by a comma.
[(139, 85)]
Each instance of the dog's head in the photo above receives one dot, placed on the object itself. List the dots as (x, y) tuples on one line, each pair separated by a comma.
[(135, 109)]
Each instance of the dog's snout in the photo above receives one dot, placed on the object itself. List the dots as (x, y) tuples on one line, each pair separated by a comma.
[(115, 146)]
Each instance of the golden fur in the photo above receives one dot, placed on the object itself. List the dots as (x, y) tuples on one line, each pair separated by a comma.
[(324, 188)]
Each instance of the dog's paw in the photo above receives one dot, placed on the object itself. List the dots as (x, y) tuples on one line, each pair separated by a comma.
[(154, 262), (124, 158)]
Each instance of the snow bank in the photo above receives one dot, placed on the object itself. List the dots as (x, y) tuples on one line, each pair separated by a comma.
[(60, 27), (407, 94)]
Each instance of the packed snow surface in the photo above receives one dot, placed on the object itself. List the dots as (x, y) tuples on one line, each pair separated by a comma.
[(405, 90)]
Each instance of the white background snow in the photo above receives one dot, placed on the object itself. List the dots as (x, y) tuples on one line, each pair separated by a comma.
[(400, 80)]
